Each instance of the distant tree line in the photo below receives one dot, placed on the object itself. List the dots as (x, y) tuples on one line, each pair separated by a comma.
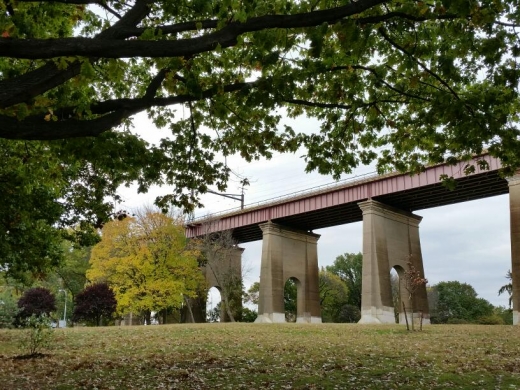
[(454, 302)]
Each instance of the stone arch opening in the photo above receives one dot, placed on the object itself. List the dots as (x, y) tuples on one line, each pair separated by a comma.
[(291, 298), (214, 305)]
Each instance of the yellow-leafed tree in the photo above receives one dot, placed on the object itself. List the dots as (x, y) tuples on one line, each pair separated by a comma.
[(146, 261)]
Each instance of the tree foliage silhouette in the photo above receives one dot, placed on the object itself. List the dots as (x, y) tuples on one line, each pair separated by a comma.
[(95, 303), (397, 83)]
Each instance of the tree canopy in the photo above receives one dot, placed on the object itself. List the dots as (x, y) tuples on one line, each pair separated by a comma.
[(333, 297), (349, 267), (400, 83), (94, 303), (146, 263), (36, 301), (457, 301)]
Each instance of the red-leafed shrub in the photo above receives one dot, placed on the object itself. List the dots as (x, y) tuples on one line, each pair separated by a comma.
[(95, 303), (36, 301)]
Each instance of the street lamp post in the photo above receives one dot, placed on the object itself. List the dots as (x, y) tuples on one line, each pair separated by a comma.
[(63, 323)]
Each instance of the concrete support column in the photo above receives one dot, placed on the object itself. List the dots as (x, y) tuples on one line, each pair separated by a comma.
[(288, 253), (390, 240), (225, 273), (514, 209)]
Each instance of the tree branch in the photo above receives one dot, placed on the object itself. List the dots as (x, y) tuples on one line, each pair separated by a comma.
[(79, 2), (505, 24), (101, 3), (140, 104), (424, 67), (226, 37), (113, 113), (335, 105), (112, 11), (25, 87), (173, 28), (36, 128), (384, 82), (115, 110), (402, 15), (130, 19), (154, 85), (316, 104)]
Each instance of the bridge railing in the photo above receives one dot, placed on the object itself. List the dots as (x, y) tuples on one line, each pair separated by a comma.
[(277, 199), (339, 184)]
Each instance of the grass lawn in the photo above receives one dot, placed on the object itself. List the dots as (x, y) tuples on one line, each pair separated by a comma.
[(281, 356)]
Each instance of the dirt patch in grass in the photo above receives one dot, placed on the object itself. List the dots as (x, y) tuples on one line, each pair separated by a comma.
[(30, 356), (283, 356)]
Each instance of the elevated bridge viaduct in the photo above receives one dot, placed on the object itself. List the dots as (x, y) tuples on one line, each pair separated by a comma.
[(385, 204)]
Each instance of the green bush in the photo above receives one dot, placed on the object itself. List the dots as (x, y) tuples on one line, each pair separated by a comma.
[(456, 321), (249, 315), (38, 334), (504, 313), (350, 313), (490, 320), (8, 309)]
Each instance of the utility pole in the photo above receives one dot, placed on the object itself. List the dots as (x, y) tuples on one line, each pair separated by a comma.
[(64, 322), (239, 197)]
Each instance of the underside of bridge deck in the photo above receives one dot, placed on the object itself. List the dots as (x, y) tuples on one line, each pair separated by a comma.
[(469, 188)]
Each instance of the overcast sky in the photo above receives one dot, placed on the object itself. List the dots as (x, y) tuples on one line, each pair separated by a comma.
[(468, 242)]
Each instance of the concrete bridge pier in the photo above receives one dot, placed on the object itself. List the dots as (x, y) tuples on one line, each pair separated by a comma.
[(390, 240), (225, 273), (288, 253), (514, 209)]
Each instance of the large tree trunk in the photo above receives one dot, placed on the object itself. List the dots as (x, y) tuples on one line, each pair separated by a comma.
[(188, 306), (148, 317), (229, 312)]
